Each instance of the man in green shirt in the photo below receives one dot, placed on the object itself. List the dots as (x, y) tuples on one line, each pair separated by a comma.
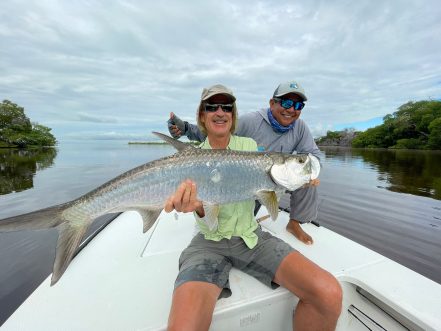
[(239, 242)]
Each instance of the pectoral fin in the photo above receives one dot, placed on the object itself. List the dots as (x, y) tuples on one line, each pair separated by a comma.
[(211, 214), (149, 217), (269, 200)]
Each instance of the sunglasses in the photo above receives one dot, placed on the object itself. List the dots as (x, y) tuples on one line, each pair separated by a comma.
[(288, 103), (211, 108)]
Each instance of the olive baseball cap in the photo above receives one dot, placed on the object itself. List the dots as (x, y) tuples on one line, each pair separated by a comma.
[(290, 87), (207, 93)]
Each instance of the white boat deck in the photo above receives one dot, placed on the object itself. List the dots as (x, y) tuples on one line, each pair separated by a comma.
[(123, 280)]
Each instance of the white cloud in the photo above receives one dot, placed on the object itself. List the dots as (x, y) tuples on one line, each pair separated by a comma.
[(97, 119), (127, 64)]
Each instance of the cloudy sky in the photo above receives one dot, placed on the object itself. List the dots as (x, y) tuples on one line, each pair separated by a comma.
[(115, 69)]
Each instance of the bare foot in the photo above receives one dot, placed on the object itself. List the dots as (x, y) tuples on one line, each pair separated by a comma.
[(295, 228)]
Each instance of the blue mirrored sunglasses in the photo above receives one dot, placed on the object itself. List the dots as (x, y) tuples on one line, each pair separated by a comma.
[(288, 103), (211, 108)]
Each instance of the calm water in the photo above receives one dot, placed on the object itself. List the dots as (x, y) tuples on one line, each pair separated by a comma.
[(389, 201)]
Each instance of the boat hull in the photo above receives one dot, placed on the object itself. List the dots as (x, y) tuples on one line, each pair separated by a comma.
[(123, 280)]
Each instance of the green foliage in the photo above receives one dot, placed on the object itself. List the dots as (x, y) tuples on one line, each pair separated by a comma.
[(16, 129), (13, 117), (409, 143), (415, 125), (41, 136), (373, 137), (435, 134)]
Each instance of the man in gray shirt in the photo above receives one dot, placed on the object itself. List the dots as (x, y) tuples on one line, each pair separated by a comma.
[(278, 129)]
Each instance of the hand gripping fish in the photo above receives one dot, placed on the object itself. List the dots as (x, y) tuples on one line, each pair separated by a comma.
[(222, 176)]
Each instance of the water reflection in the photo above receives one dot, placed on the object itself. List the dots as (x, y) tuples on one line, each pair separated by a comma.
[(18, 167), (404, 171)]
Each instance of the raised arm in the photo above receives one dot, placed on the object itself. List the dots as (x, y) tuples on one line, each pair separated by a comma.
[(178, 128)]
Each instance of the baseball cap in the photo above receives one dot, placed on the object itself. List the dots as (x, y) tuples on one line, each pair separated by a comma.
[(290, 87), (207, 93)]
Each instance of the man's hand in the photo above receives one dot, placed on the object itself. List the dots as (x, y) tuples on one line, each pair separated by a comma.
[(185, 199), (176, 126), (313, 182)]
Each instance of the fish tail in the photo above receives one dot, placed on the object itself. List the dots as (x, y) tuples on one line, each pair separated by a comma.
[(70, 236), (70, 233), (41, 219)]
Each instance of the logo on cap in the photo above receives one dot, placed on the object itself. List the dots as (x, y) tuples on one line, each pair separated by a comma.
[(293, 85)]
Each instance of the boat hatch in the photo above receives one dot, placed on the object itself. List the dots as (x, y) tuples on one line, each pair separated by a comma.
[(371, 313)]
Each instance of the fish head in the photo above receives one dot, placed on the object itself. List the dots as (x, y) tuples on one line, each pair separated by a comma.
[(294, 171)]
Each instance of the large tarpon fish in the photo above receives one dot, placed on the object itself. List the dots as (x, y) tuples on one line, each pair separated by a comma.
[(222, 176)]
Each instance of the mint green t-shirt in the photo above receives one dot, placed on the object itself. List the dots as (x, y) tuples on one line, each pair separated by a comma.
[(235, 219)]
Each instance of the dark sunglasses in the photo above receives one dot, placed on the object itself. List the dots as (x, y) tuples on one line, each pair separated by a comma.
[(288, 103), (211, 108)]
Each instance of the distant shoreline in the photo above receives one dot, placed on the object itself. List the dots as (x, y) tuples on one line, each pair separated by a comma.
[(147, 143), (380, 148)]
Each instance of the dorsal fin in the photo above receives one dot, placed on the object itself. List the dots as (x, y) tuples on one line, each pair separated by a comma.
[(179, 145)]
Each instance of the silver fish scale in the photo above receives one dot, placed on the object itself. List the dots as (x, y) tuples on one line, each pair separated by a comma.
[(222, 176), (232, 176)]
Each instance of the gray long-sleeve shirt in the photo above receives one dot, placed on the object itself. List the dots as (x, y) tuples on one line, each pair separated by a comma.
[(256, 125)]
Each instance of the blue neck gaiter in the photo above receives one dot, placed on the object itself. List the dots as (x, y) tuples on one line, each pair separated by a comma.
[(276, 125)]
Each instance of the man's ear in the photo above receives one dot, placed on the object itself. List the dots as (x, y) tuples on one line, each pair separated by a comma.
[(271, 102)]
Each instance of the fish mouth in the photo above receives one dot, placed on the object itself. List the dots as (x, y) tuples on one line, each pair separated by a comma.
[(307, 166)]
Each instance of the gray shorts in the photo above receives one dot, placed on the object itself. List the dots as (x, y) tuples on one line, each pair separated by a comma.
[(211, 261)]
